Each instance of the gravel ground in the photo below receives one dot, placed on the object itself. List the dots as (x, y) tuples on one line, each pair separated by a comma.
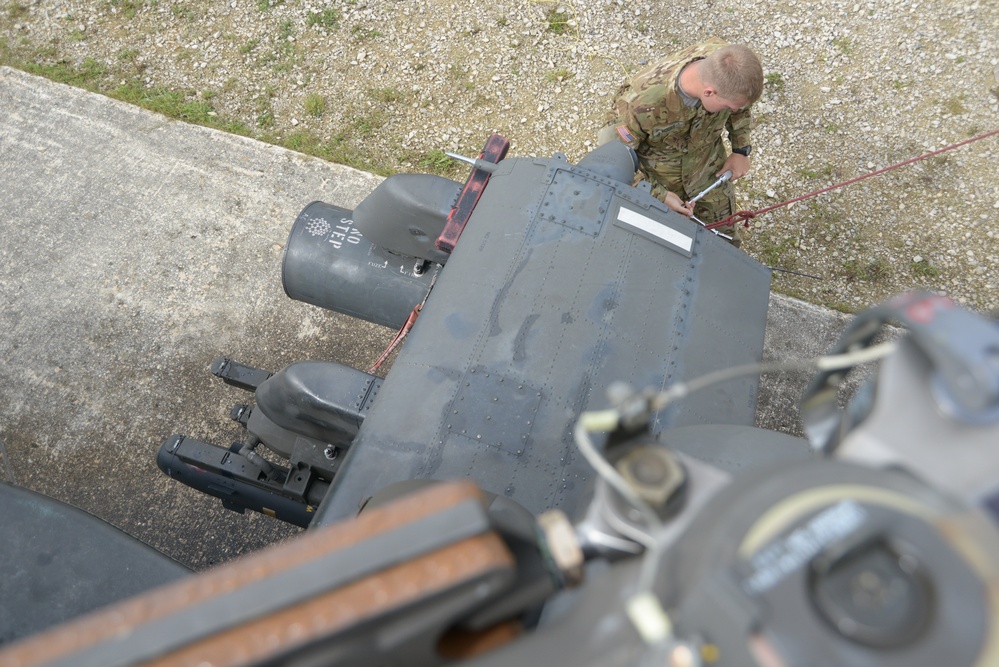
[(388, 84)]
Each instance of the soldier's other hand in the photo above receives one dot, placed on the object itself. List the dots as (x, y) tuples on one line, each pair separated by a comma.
[(738, 163), (675, 203)]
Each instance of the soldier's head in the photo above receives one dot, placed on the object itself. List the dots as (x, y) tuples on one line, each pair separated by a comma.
[(733, 78)]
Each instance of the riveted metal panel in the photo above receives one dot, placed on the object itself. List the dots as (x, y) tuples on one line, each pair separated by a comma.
[(494, 410), (577, 201), (565, 311)]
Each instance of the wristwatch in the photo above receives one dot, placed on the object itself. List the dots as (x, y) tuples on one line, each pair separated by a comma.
[(745, 150)]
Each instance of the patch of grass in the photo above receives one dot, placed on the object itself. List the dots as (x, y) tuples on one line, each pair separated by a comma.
[(328, 19), (182, 105), (249, 45), (870, 272), (128, 8), (923, 269), (558, 22), (387, 95), (185, 54), (232, 127), (502, 21), (821, 219), (436, 162), (361, 33), (898, 84), (183, 11), (285, 66), (365, 126), (85, 76), (937, 161), (15, 10), (127, 55), (773, 82), (315, 105), (844, 44), (286, 30), (303, 142), (338, 149), (265, 119), (45, 53), (773, 252), (812, 174), (175, 104), (841, 306), (267, 58), (348, 147), (77, 35), (264, 110), (284, 58), (954, 105), (558, 75)]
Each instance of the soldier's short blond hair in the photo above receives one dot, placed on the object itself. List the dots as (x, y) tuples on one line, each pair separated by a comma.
[(734, 72)]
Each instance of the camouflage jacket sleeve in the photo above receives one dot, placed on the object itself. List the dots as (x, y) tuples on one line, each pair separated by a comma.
[(739, 124), (629, 119)]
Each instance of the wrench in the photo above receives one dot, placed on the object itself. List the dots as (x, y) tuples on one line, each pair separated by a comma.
[(721, 179)]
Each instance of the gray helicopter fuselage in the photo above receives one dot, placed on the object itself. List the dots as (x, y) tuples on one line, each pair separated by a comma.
[(564, 280)]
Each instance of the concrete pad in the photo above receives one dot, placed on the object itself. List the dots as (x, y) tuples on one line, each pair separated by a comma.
[(136, 249)]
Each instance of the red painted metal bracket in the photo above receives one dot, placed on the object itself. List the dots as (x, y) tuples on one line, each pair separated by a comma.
[(494, 150)]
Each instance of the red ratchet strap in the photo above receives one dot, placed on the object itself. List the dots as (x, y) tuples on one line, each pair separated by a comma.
[(494, 151), (398, 338), (745, 216)]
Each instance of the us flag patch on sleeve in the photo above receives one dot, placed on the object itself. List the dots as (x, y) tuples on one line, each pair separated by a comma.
[(626, 136)]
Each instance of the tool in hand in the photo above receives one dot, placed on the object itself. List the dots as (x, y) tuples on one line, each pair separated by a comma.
[(721, 179)]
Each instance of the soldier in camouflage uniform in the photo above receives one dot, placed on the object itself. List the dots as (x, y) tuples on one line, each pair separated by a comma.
[(673, 114)]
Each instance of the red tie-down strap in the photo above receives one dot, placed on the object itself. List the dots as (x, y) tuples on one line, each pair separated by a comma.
[(403, 332), (494, 151)]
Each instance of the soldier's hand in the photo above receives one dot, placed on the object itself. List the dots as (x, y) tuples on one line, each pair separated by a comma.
[(738, 163), (678, 205)]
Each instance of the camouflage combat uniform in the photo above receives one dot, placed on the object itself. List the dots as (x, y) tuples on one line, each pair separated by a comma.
[(680, 147)]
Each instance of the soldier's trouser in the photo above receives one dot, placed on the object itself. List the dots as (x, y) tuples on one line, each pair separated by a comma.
[(689, 174)]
